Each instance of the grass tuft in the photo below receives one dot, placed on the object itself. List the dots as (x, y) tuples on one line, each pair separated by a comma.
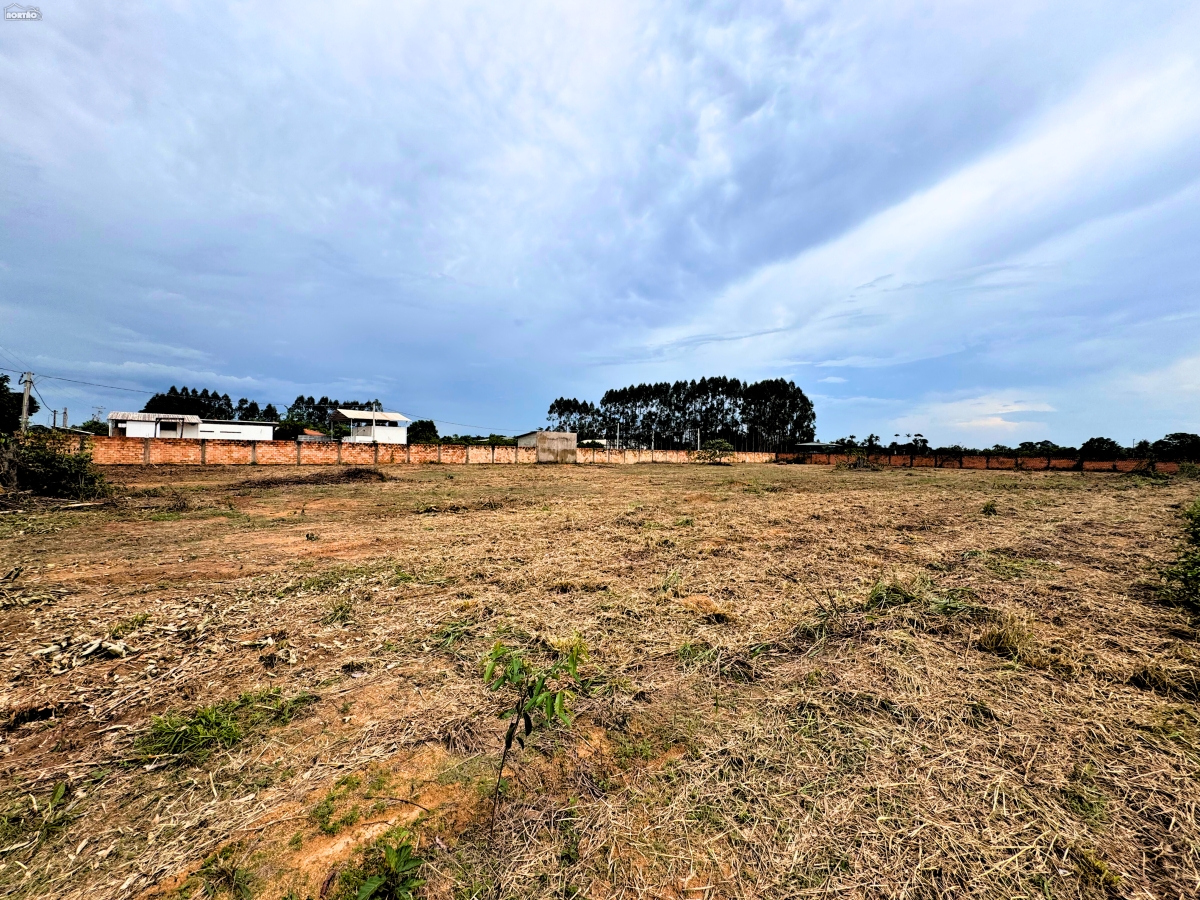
[(130, 625), (1009, 638), (220, 875), (340, 611), (192, 738)]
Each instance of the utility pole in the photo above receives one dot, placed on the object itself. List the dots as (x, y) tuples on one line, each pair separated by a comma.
[(27, 380), (64, 417), (54, 420)]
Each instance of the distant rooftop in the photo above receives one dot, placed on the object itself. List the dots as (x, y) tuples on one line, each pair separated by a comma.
[(152, 417), (366, 415)]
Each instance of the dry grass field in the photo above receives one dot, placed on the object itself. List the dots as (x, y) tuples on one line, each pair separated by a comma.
[(800, 682)]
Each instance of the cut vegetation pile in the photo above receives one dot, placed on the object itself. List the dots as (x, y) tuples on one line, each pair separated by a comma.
[(702, 681)]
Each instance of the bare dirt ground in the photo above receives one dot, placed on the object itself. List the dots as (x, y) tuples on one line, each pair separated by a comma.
[(801, 682)]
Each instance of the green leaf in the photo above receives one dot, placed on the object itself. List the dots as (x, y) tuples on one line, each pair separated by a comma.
[(370, 886), (413, 862)]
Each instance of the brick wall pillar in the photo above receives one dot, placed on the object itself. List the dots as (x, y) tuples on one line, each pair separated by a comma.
[(254, 453), (297, 451), (146, 450), (376, 452), (203, 453)]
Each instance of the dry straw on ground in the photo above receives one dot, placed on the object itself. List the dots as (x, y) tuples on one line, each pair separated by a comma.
[(802, 682)]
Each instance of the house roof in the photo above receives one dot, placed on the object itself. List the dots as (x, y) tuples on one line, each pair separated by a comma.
[(152, 417), (365, 415)]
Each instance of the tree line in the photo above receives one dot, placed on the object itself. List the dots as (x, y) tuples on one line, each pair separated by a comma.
[(1175, 447), (773, 414), (209, 405)]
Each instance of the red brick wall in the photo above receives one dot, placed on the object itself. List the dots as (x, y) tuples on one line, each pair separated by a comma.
[(118, 451), (111, 451)]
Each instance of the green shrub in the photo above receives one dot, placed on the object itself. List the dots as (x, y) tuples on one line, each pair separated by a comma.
[(1183, 576), (538, 695), (391, 871), (47, 465), (717, 451)]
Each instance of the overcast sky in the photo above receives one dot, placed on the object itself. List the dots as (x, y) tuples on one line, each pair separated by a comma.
[(979, 221)]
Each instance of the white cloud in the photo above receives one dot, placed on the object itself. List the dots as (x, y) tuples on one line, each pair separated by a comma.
[(984, 418), (1122, 141)]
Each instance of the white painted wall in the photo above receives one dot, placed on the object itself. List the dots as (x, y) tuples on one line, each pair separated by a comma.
[(236, 431), (141, 429)]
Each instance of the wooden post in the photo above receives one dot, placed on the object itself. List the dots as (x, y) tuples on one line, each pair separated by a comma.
[(439, 451)]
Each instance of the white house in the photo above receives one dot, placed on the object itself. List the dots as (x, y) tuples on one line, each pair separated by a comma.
[(153, 425), (370, 427), (220, 430), (175, 425)]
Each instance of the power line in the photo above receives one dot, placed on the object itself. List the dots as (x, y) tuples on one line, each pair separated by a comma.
[(14, 358), (45, 405), (463, 424), (111, 387)]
